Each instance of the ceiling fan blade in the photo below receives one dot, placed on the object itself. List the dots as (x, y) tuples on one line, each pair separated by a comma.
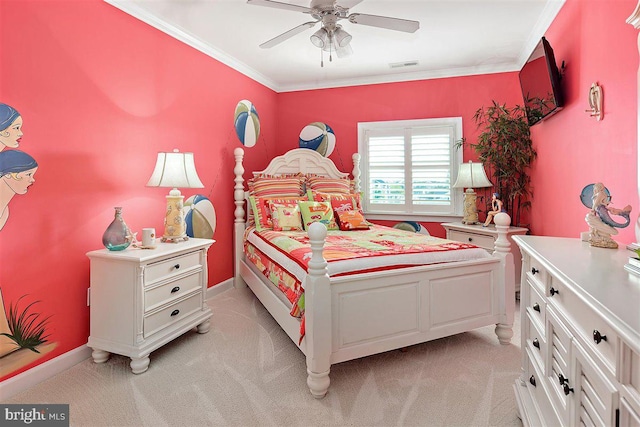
[(287, 35), (348, 4), (385, 22), (279, 5)]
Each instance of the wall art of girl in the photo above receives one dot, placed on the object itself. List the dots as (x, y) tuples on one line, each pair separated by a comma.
[(10, 127), (17, 170)]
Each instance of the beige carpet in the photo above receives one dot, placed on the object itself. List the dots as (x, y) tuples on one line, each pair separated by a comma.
[(246, 372)]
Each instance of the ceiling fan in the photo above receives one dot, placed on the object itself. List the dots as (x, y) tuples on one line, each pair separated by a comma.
[(332, 37)]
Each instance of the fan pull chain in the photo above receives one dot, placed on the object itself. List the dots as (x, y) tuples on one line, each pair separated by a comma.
[(321, 59)]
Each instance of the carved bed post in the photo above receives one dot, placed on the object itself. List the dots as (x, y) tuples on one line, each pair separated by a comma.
[(504, 329), (634, 20), (239, 223), (356, 172), (317, 315)]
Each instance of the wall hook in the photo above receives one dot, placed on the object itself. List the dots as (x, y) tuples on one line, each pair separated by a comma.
[(595, 102)]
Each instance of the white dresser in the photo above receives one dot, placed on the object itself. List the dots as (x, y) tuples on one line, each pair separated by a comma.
[(580, 312), (485, 237), (141, 299)]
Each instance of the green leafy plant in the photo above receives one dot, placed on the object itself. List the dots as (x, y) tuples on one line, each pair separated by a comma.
[(504, 146), (28, 329)]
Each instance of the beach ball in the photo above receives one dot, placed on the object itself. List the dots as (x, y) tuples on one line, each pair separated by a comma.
[(246, 123), (413, 226), (200, 217), (318, 136)]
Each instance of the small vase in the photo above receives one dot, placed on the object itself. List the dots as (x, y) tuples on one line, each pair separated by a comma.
[(115, 237)]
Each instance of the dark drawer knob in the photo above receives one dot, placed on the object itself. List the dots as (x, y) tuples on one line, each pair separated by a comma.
[(471, 239), (177, 266), (598, 337), (536, 307), (534, 270), (536, 343), (532, 380), (175, 312), (553, 291), (567, 389), (562, 379), (175, 289)]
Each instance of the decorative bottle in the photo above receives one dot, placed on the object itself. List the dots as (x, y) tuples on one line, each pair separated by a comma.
[(115, 237)]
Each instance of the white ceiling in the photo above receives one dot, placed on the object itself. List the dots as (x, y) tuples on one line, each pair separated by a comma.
[(456, 38)]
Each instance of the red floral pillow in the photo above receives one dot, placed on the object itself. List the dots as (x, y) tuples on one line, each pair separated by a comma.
[(339, 202)]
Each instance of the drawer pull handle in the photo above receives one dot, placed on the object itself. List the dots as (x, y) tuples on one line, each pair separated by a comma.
[(175, 312), (562, 379), (598, 337), (534, 270), (471, 239), (553, 291), (536, 307), (536, 343), (177, 266), (567, 389), (175, 289), (532, 380)]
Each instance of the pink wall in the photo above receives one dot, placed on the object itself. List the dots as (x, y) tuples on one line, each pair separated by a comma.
[(100, 94), (343, 108), (574, 150)]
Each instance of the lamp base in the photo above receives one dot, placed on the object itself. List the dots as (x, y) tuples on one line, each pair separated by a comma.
[(470, 209), (174, 225)]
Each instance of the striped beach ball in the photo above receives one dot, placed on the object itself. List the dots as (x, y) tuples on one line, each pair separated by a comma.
[(318, 136), (413, 226), (246, 123), (200, 217)]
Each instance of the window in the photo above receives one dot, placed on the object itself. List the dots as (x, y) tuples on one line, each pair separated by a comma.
[(409, 166)]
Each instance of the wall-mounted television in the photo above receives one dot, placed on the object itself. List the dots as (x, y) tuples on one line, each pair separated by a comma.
[(540, 83)]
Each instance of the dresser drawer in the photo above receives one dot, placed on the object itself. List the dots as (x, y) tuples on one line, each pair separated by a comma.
[(486, 242), (173, 290), (536, 273), (158, 320), (598, 336), (536, 306), (559, 347), (535, 341), (170, 267)]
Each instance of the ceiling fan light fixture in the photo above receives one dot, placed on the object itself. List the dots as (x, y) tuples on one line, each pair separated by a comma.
[(342, 38), (320, 38)]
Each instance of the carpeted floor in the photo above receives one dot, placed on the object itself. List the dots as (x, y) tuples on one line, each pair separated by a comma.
[(247, 372)]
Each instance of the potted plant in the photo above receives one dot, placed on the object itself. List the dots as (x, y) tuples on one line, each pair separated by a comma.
[(504, 146)]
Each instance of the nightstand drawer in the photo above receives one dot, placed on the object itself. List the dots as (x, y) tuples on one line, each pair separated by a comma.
[(537, 307), (163, 318), (173, 290), (486, 242), (170, 267)]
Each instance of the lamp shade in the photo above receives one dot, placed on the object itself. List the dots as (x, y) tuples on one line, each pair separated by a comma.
[(175, 170), (471, 175)]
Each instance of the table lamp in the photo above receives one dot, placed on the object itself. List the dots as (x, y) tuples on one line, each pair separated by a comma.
[(471, 175), (175, 170)]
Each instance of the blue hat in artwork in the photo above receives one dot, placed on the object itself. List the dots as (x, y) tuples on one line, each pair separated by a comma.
[(8, 115), (13, 161)]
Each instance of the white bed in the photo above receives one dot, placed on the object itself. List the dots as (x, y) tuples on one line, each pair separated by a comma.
[(353, 316)]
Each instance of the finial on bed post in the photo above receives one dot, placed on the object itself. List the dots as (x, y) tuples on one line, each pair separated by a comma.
[(239, 223), (356, 172), (317, 295), (502, 246)]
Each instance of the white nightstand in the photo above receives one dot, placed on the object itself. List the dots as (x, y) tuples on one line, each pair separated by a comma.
[(143, 298), (485, 237)]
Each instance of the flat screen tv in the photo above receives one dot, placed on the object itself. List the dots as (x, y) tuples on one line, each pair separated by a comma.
[(540, 83)]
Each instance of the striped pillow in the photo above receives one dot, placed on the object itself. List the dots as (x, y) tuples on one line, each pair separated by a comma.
[(276, 186), (339, 202), (328, 185)]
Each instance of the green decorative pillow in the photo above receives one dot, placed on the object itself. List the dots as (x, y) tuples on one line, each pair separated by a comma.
[(285, 217), (317, 212)]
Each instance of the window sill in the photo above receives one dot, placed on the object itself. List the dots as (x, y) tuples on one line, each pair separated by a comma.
[(439, 218)]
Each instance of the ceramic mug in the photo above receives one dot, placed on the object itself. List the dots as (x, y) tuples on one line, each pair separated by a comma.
[(148, 237)]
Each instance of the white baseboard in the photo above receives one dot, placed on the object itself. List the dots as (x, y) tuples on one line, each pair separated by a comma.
[(50, 368), (46, 370)]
